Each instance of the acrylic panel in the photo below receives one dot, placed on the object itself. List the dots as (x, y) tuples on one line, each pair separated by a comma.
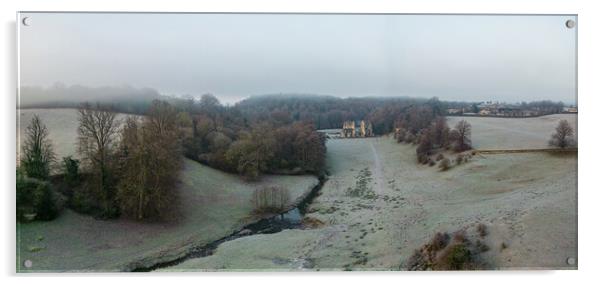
[(296, 142)]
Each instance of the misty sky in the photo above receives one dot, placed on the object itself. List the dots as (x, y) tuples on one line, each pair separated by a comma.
[(470, 58)]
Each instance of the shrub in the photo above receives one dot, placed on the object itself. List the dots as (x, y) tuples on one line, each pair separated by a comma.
[(422, 158), (440, 157), (457, 257), (431, 162), (400, 135), (482, 230), (445, 253), (71, 171), (25, 189), (86, 201), (482, 247), (439, 241), (459, 159), (444, 164), (410, 138), (271, 199), (460, 236), (503, 246), (35, 199), (45, 204)]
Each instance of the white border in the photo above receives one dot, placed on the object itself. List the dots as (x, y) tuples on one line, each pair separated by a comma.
[(589, 104)]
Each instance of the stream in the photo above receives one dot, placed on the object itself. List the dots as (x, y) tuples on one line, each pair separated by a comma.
[(292, 219)]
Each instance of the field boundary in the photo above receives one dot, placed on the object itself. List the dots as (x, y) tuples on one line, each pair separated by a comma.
[(503, 151)]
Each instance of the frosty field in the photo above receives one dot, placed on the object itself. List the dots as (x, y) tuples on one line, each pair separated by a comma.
[(527, 201), (513, 133), (376, 207)]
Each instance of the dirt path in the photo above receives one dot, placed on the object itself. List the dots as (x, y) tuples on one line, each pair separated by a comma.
[(378, 171)]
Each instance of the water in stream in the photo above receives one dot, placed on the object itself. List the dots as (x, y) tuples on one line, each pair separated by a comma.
[(293, 219)]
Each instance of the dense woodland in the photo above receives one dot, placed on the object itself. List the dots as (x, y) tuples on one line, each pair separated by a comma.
[(328, 112)]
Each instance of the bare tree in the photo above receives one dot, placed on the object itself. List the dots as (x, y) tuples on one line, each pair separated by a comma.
[(210, 106), (96, 134), (461, 136), (150, 163), (440, 132), (37, 150), (272, 199), (563, 137)]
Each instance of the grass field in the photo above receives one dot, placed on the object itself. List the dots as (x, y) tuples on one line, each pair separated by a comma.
[(513, 133), (527, 201), (377, 206), (212, 205)]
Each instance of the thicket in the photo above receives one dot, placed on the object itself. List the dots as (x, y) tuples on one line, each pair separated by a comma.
[(270, 199)]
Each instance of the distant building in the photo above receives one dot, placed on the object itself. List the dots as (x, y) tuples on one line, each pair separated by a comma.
[(502, 110), (570, 109), (356, 129), (454, 111)]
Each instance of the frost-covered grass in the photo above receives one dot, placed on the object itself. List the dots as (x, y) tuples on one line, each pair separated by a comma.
[(513, 133), (527, 201), (212, 205)]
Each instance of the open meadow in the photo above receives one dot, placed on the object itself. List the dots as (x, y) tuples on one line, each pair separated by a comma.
[(378, 206), (212, 204), (513, 133)]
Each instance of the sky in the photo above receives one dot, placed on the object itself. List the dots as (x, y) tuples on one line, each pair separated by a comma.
[(453, 57)]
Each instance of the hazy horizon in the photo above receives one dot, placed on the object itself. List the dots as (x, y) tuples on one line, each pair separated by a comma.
[(235, 56)]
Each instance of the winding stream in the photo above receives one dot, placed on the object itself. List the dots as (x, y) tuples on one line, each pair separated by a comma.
[(292, 219)]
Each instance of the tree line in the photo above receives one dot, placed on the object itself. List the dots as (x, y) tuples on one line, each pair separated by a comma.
[(127, 168), (329, 112), (425, 127), (229, 139)]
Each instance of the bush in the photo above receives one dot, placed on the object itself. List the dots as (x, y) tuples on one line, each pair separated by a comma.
[(25, 190), (431, 162), (45, 204), (86, 201), (457, 257), (439, 241), (410, 138), (422, 158), (503, 246), (460, 236), (71, 171), (35, 199), (482, 247), (482, 230), (445, 253), (444, 164), (271, 199), (459, 159), (440, 157)]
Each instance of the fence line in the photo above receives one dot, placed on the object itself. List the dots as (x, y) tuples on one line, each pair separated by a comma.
[(502, 151)]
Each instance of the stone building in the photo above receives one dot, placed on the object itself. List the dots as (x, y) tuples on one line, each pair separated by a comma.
[(356, 129)]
